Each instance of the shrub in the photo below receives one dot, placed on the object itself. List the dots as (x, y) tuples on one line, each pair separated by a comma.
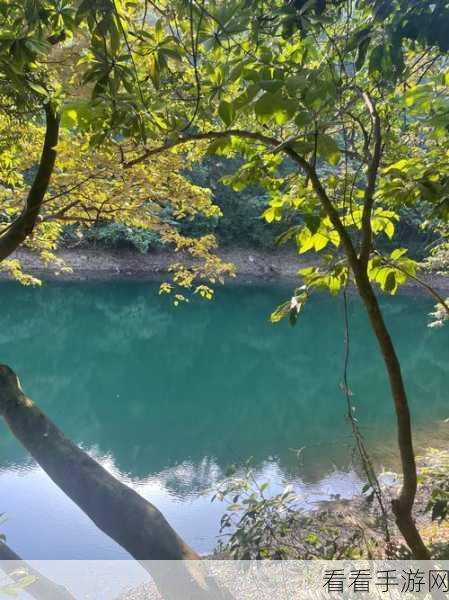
[(114, 235), (259, 526)]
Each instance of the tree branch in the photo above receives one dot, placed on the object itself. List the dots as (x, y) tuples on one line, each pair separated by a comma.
[(208, 135), (373, 169), (66, 191), (23, 226)]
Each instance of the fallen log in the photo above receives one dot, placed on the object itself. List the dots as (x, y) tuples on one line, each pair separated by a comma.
[(130, 520)]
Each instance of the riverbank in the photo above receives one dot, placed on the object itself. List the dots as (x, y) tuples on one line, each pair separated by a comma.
[(94, 264)]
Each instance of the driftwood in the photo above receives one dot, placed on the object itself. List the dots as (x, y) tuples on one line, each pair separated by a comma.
[(131, 521)]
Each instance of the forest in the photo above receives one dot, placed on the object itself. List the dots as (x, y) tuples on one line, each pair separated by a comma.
[(281, 169)]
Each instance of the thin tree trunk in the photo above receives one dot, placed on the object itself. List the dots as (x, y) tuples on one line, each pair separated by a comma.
[(23, 226), (116, 509), (403, 505)]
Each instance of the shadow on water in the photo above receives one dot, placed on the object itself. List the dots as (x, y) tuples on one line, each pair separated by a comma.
[(169, 398)]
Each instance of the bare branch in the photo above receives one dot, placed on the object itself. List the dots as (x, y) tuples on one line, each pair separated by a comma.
[(373, 170)]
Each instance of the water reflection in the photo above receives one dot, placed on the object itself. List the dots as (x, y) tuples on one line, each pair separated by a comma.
[(168, 399), (43, 523)]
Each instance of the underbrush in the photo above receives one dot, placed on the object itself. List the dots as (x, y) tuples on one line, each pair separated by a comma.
[(259, 526)]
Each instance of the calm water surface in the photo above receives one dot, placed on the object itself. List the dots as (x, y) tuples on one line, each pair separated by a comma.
[(168, 399)]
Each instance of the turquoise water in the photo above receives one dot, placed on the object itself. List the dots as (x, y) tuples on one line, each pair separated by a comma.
[(169, 398)]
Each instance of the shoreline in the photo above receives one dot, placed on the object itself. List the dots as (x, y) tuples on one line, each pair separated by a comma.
[(252, 266)]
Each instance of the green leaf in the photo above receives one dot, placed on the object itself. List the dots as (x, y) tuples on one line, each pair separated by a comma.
[(280, 312), (390, 284), (313, 223), (295, 84), (387, 277), (328, 149), (389, 229), (291, 308), (358, 37), (264, 105), (39, 89), (399, 166), (377, 60), (114, 33), (304, 240), (361, 53), (154, 70), (82, 115), (246, 96), (219, 146), (320, 241), (271, 85), (273, 213), (303, 118), (274, 106), (288, 235), (301, 147), (69, 118), (226, 112), (398, 253)]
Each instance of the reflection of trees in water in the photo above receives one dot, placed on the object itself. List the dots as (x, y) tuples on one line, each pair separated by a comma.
[(118, 368), (191, 479), (188, 481)]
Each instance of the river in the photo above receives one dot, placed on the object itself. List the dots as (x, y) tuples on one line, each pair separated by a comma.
[(168, 398)]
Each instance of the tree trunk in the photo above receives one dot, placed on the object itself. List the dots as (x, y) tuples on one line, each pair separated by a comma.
[(403, 505), (23, 226), (116, 509)]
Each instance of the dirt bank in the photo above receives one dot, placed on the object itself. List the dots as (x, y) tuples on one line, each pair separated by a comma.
[(103, 265), (92, 264)]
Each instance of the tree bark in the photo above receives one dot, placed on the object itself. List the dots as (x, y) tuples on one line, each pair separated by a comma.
[(23, 226), (403, 505), (116, 509)]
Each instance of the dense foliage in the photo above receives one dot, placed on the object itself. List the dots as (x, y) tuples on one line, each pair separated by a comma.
[(88, 193)]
